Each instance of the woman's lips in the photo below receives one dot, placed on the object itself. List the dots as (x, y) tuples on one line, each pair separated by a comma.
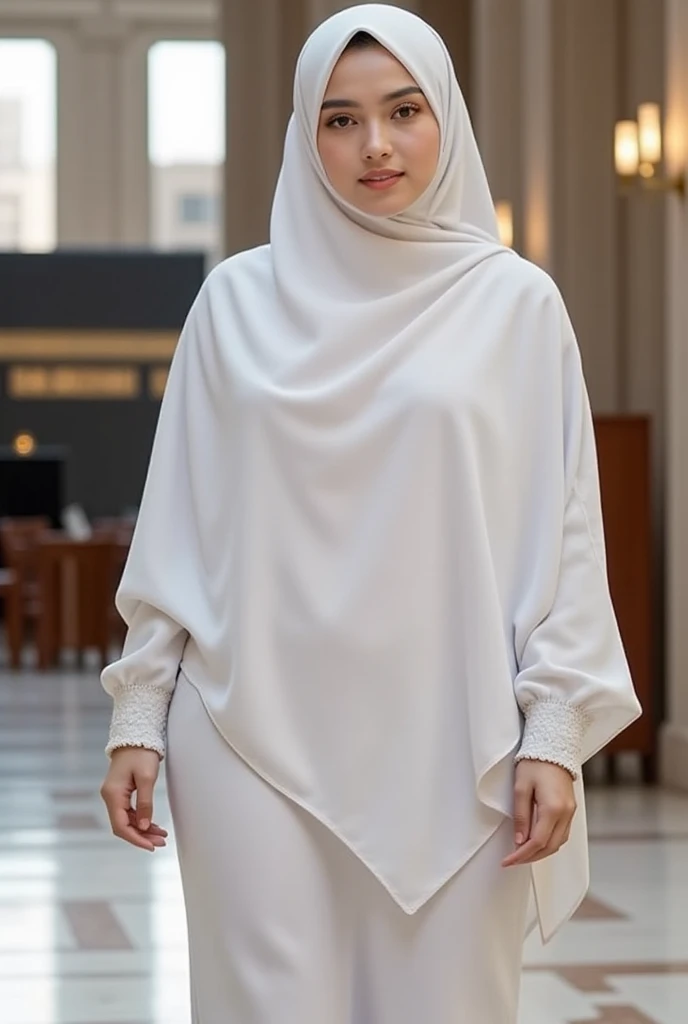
[(383, 181)]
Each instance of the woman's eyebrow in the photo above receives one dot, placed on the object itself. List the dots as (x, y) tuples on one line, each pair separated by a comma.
[(408, 90)]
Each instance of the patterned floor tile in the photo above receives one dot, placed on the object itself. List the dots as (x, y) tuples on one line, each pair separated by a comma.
[(93, 932)]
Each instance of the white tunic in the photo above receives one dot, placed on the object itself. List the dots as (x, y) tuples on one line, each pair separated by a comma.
[(286, 925), (371, 529)]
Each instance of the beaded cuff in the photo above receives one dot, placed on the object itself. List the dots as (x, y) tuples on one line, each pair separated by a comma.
[(139, 718), (554, 732)]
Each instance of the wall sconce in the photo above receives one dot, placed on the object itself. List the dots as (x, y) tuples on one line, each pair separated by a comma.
[(24, 444), (505, 222), (638, 153)]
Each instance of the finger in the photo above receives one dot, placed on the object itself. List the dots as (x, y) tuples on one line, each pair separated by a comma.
[(144, 800), (123, 829), (555, 843), (548, 837), (131, 835), (523, 811), (157, 841), (541, 832), (116, 799), (153, 829), (119, 819), (156, 836), (523, 855), (117, 802)]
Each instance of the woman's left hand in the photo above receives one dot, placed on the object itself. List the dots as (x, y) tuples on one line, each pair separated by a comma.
[(544, 805)]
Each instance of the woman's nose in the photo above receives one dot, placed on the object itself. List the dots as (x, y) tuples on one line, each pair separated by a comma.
[(377, 145)]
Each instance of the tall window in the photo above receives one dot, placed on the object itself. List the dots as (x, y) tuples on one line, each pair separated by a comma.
[(28, 101), (186, 144)]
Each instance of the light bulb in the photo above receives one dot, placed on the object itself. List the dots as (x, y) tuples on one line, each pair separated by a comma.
[(24, 444), (505, 222), (649, 133), (626, 148)]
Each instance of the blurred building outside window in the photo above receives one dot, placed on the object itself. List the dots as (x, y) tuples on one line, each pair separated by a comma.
[(186, 140), (10, 221), (198, 209), (28, 103)]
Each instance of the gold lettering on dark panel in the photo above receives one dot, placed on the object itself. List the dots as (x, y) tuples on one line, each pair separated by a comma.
[(157, 380), (87, 346), (73, 382)]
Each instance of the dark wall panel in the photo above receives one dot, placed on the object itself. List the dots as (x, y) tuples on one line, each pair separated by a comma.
[(112, 289), (86, 296), (108, 443)]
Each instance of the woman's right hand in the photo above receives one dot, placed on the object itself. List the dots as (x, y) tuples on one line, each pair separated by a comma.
[(133, 770)]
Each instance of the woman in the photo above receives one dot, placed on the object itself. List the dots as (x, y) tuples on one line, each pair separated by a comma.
[(368, 577)]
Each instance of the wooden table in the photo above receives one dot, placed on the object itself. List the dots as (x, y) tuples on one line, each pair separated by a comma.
[(78, 581)]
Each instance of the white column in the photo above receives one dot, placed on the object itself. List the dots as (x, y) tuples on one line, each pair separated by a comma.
[(133, 165), (85, 154), (88, 113), (674, 736), (103, 146)]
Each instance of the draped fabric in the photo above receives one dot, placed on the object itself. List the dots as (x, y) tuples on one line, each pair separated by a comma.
[(371, 526)]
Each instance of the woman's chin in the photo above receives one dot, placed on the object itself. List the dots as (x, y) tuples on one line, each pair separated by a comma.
[(382, 205)]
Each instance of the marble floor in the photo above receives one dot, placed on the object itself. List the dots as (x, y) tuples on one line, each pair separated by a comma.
[(92, 931)]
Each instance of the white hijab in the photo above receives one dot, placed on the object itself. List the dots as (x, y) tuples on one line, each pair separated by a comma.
[(324, 250), (372, 506)]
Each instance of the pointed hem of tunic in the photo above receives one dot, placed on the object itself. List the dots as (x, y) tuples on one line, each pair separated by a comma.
[(547, 934), (409, 908)]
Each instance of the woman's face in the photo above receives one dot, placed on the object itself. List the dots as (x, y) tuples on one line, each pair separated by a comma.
[(378, 139)]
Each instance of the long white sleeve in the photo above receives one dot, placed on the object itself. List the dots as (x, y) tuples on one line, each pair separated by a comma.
[(573, 684), (141, 683)]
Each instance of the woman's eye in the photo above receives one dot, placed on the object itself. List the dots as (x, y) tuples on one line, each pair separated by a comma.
[(340, 121), (406, 112)]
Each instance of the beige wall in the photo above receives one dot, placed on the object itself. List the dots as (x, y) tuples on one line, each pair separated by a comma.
[(496, 85), (453, 20), (545, 128), (675, 731), (261, 39)]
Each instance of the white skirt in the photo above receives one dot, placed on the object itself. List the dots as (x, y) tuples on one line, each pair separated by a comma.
[(287, 926)]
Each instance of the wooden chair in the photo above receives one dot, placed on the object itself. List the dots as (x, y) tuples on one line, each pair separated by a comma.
[(24, 528), (118, 528), (93, 567), (19, 579), (11, 595)]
